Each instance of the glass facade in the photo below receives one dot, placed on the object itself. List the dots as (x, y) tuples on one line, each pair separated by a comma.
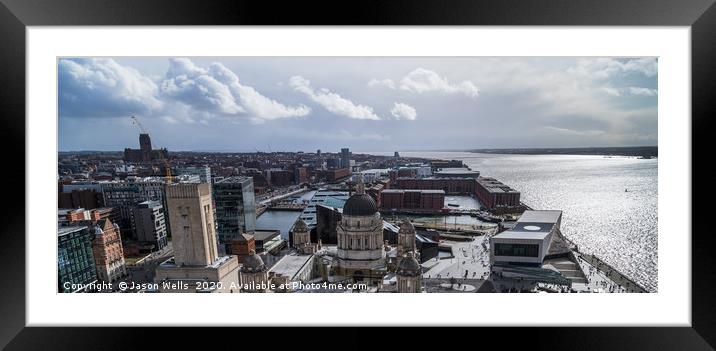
[(519, 250), (235, 207), (75, 261)]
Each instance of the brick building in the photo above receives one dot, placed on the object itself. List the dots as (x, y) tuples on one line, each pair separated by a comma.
[(492, 193), (412, 199), (243, 246), (333, 175), (107, 251)]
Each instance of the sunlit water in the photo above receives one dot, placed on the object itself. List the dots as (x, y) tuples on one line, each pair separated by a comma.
[(618, 226)]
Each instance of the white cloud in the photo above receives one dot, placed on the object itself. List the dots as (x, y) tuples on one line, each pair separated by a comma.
[(386, 83), (259, 106), (332, 101), (403, 111), (422, 80), (611, 91), (643, 91), (602, 68), (193, 86), (218, 89), (99, 87)]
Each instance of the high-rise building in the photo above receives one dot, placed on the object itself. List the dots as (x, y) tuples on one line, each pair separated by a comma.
[(149, 223), (196, 257), (75, 261), (235, 208), (107, 251), (345, 158)]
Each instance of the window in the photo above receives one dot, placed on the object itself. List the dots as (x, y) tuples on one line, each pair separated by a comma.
[(520, 250)]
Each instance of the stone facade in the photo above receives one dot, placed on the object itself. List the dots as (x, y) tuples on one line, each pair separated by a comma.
[(360, 251), (107, 251), (175, 279), (409, 275), (302, 239), (191, 216), (406, 238), (254, 275), (197, 266)]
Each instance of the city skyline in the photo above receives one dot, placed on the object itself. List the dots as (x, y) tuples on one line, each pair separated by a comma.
[(367, 104)]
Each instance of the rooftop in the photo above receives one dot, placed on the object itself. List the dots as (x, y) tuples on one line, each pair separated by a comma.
[(263, 235), (523, 235), (290, 265), (541, 216), (235, 179), (426, 191), (456, 171), (67, 230), (494, 185)]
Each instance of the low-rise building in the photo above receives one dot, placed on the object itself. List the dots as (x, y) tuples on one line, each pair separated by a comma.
[(493, 193), (412, 199), (528, 242), (292, 268)]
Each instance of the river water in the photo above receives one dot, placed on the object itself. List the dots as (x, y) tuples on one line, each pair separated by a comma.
[(609, 204)]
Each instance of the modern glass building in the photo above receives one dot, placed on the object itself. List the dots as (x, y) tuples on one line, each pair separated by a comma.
[(235, 207), (75, 261), (345, 158)]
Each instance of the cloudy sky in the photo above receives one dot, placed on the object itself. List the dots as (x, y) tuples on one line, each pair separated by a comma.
[(367, 104)]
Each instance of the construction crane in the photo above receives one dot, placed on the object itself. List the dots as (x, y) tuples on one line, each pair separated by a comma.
[(167, 167)]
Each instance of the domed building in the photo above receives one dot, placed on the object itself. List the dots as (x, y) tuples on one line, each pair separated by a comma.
[(360, 251), (409, 274), (302, 238), (253, 274)]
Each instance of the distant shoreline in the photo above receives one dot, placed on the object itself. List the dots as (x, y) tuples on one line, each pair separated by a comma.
[(639, 151), (632, 151)]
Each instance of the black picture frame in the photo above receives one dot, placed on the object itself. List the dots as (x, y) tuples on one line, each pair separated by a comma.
[(16, 15)]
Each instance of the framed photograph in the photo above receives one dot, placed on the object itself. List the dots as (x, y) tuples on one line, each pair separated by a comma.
[(221, 165)]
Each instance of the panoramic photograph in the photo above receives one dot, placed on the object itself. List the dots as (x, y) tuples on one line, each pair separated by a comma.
[(357, 175)]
